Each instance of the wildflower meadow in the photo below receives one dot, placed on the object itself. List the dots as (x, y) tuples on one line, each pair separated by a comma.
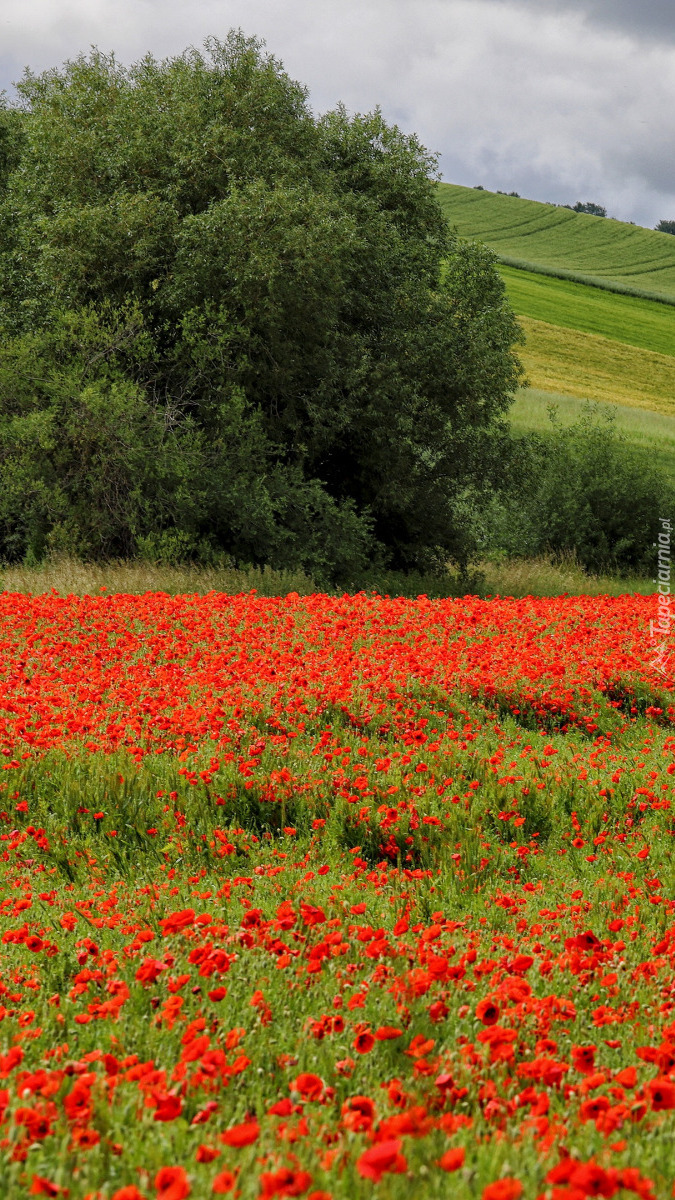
[(335, 897)]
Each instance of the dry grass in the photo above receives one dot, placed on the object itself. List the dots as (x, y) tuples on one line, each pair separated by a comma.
[(597, 368), (67, 576), (543, 577), (517, 577)]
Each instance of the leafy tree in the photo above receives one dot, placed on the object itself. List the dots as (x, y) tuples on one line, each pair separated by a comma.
[(229, 327), (595, 210), (665, 227)]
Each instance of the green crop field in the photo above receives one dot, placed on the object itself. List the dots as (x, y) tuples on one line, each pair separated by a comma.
[(592, 367), (642, 323), (597, 248), (583, 342)]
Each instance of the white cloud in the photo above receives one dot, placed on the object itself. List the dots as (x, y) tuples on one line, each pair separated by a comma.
[(539, 99)]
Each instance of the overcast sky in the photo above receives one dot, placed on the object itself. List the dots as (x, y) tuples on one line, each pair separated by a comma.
[(559, 100)]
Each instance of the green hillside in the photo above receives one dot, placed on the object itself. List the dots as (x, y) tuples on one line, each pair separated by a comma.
[(592, 367), (544, 237), (592, 344), (643, 323)]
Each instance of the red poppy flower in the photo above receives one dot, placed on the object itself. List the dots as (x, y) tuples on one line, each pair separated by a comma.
[(503, 1189), (284, 1182), (358, 1113), (593, 1180), (241, 1135), (381, 1159), (223, 1183), (363, 1042), (206, 1154), (130, 1192), (583, 1058), (452, 1160), (487, 1012), (169, 1108), (661, 1094), (309, 1086), (172, 1183), (44, 1187)]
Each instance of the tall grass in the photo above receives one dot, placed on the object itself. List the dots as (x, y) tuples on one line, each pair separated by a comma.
[(546, 577), (519, 577), (68, 576)]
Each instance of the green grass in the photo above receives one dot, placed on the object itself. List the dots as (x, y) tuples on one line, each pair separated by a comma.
[(642, 323), (556, 239), (650, 433)]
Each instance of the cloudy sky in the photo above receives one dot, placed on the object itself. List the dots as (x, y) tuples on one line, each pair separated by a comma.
[(559, 100)]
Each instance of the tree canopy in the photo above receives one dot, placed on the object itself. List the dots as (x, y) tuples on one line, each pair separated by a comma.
[(230, 326)]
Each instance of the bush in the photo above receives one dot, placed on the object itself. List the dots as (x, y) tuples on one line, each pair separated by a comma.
[(579, 491)]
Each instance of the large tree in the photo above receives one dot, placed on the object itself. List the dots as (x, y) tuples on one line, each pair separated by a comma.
[(228, 325)]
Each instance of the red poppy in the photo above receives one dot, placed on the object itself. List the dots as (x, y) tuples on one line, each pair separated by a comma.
[(503, 1189), (583, 1058), (130, 1192), (363, 1042), (309, 1086), (661, 1094), (223, 1183), (358, 1113), (452, 1160), (206, 1154), (241, 1135), (593, 1180), (381, 1159), (284, 1182), (172, 1183), (44, 1187), (169, 1108), (487, 1012)]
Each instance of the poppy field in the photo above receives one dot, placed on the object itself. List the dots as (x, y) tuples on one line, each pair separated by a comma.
[(335, 897)]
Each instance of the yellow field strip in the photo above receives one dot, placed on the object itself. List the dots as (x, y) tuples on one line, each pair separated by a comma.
[(596, 368)]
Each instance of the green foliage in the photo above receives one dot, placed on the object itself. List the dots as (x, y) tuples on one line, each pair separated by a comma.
[(226, 327), (645, 434), (581, 490), (593, 210), (665, 227)]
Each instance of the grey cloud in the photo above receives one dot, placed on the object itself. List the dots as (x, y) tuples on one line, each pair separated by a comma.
[(641, 18), (537, 97)]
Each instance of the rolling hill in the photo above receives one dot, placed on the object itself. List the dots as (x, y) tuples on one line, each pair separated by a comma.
[(545, 238), (595, 299)]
